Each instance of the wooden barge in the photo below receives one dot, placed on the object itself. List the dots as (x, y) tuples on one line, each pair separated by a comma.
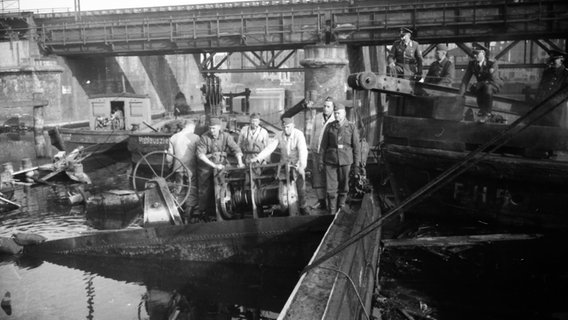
[(112, 118)]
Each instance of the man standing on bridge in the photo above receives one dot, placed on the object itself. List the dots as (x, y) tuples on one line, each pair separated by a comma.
[(407, 56), (442, 70), (488, 81), (212, 154)]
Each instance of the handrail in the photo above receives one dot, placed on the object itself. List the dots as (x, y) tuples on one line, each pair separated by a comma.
[(297, 13)]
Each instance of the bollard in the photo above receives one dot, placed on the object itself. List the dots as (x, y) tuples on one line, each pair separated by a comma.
[(8, 168), (6, 177), (39, 137)]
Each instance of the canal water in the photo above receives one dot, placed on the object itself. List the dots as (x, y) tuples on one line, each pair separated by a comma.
[(82, 288)]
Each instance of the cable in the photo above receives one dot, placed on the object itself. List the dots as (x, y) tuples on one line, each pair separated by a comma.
[(354, 288)]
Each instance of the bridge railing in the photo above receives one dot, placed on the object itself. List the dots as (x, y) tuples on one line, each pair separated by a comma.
[(192, 7), (436, 21)]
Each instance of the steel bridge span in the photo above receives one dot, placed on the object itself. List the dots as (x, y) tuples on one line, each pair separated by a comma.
[(262, 25)]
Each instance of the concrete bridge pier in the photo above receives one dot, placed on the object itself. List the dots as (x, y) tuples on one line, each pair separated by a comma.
[(325, 76)]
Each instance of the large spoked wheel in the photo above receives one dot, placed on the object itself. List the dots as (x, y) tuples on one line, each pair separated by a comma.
[(153, 166)]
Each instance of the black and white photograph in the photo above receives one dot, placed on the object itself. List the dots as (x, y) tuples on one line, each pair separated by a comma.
[(283, 160)]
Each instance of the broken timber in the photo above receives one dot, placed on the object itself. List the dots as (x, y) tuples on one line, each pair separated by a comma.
[(454, 241)]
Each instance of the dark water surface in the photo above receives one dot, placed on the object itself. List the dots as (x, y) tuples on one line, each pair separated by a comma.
[(525, 279), (84, 288)]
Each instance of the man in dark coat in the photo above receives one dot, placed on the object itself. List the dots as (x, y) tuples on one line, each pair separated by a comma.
[(180, 105), (212, 154), (442, 70), (340, 153), (488, 81), (407, 56), (553, 78)]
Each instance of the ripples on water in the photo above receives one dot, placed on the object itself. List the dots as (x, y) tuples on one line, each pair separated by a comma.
[(110, 289)]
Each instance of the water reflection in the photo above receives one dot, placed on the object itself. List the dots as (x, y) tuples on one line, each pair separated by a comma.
[(189, 290)]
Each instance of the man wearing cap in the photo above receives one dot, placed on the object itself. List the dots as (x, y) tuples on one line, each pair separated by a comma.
[(553, 78), (407, 56), (321, 121), (442, 70), (488, 81), (252, 138), (340, 153), (293, 150), (183, 146), (212, 154)]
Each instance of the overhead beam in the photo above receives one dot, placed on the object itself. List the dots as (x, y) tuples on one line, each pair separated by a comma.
[(250, 70)]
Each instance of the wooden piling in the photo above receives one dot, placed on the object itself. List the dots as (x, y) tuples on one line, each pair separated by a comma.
[(42, 149)]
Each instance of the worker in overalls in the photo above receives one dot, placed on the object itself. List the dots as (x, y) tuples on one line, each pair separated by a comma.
[(293, 150), (340, 153), (321, 120), (252, 138), (212, 154)]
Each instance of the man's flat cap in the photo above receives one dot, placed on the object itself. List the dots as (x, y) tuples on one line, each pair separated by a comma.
[(338, 106), (215, 122), (441, 47), (406, 30), (287, 121)]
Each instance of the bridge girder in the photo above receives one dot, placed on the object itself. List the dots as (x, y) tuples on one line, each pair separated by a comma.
[(464, 21)]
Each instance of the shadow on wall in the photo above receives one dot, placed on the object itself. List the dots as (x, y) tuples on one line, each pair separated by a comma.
[(163, 79), (99, 75)]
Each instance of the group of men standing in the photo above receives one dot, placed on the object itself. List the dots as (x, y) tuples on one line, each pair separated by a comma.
[(335, 147), (406, 61)]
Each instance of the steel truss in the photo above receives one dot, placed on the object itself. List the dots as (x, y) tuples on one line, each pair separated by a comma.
[(288, 60), (249, 61)]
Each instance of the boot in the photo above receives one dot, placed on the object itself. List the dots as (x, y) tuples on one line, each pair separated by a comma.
[(341, 198), (331, 205)]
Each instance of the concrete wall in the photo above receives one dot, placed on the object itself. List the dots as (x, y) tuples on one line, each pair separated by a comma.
[(24, 72), (67, 82)]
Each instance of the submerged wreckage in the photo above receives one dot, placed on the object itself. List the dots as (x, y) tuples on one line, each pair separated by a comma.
[(67, 164)]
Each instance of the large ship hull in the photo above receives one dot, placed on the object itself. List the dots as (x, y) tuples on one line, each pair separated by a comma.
[(524, 182)]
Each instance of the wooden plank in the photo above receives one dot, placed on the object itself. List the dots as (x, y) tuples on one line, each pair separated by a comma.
[(546, 138), (343, 301), (324, 292), (452, 241), (513, 168)]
